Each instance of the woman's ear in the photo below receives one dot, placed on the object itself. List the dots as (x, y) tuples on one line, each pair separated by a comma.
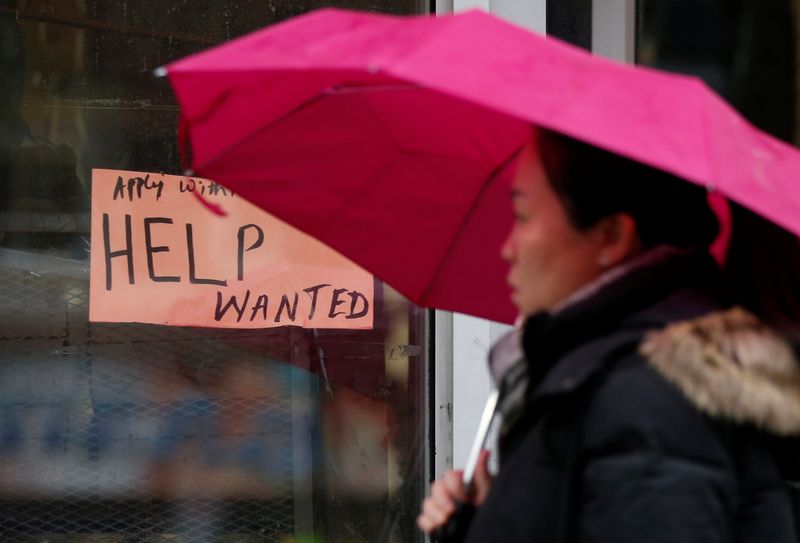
[(617, 239)]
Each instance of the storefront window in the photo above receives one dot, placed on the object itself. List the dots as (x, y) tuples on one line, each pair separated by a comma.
[(746, 51), (134, 432)]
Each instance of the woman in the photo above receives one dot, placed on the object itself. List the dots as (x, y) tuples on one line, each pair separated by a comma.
[(652, 409)]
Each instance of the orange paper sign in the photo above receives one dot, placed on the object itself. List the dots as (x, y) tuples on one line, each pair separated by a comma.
[(187, 252)]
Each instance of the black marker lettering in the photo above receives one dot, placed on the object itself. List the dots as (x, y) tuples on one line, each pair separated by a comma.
[(119, 188), (261, 304), (220, 311), (159, 186), (312, 293), (336, 301), (193, 279), (141, 182), (109, 254), (291, 310), (215, 188), (354, 297), (241, 250), (150, 249)]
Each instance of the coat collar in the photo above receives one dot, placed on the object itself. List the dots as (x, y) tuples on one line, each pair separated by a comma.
[(725, 361), (565, 350), (730, 365)]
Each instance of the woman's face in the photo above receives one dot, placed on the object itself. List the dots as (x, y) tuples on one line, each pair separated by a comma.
[(549, 259)]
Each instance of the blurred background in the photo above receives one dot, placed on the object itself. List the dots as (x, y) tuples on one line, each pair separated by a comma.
[(133, 433), (129, 432), (746, 51)]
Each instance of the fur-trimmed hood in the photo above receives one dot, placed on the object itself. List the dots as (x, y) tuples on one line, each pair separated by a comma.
[(731, 365)]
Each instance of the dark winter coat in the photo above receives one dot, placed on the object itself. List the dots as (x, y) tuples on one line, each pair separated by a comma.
[(653, 414)]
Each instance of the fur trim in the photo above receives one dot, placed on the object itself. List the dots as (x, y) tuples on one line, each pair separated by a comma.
[(729, 364)]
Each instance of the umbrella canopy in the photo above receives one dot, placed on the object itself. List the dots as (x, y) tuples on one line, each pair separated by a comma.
[(392, 139)]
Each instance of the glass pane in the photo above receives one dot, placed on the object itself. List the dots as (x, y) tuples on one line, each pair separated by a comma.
[(133, 432), (744, 50), (571, 21)]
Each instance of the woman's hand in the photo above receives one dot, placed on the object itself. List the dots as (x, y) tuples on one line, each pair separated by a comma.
[(447, 491)]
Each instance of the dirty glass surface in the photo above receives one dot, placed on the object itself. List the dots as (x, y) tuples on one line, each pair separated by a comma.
[(746, 51), (132, 432)]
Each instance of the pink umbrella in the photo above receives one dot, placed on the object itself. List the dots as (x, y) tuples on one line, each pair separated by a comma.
[(392, 139)]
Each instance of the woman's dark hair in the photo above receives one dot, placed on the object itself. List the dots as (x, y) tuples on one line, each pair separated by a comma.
[(762, 268), (762, 271), (593, 184)]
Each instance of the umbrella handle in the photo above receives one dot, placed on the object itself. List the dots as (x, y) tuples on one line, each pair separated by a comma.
[(457, 525)]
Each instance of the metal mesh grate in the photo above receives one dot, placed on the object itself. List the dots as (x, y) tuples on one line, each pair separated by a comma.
[(122, 433)]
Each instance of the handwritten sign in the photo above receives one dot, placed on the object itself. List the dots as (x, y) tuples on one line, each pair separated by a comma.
[(160, 255)]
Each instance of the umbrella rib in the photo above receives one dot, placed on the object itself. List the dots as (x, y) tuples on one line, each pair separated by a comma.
[(496, 172), (354, 89), (255, 133), (402, 146), (330, 91)]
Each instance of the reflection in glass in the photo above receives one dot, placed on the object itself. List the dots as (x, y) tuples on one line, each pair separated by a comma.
[(745, 51), (130, 432)]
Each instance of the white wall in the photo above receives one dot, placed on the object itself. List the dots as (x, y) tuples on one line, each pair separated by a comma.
[(614, 29), (472, 339), (527, 13), (462, 342), (467, 339)]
